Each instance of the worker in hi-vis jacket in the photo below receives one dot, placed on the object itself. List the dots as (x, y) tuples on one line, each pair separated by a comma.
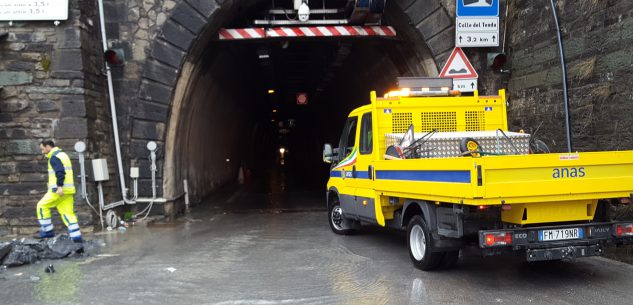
[(60, 193)]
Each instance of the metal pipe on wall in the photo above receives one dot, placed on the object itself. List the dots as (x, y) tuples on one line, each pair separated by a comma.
[(115, 125), (564, 68)]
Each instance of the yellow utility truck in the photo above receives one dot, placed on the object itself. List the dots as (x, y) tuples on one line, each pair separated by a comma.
[(446, 169)]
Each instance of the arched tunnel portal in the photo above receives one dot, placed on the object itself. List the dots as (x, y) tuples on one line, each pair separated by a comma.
[(222, 114)]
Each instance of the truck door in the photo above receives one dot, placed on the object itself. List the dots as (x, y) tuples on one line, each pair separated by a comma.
[(346, 156), (363, 172)]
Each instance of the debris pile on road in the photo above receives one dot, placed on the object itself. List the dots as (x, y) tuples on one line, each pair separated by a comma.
[(28, 250)]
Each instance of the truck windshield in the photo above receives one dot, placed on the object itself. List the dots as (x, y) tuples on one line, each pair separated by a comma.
[(348, 138)]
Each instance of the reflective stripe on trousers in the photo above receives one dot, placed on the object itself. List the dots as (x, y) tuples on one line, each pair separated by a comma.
[(73, 228), (75, 234), (46, 225)]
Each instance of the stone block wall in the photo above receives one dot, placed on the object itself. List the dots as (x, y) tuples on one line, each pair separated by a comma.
[(598, 41), (133, 25), (52, 88)]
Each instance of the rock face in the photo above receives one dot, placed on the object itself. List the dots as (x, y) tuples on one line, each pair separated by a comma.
[(597, 37), (53, 86)]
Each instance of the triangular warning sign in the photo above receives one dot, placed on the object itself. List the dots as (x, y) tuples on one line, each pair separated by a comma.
[(458, 66)]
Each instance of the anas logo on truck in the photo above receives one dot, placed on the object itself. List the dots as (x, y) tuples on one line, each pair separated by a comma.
[(568, 172)]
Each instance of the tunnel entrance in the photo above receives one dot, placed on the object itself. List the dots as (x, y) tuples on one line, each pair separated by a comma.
[(268, 106)]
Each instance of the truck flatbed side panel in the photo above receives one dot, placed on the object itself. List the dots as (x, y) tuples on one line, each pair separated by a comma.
[(451, 178), (558, 176), (511, 179)]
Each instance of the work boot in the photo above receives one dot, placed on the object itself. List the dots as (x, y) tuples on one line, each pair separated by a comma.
[(43, 235), (80, 243)]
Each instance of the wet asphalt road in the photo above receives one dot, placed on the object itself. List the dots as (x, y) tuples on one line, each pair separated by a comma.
[(285, 253)]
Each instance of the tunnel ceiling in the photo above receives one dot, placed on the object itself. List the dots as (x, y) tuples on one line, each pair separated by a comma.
[(307, 65), (292, 66)]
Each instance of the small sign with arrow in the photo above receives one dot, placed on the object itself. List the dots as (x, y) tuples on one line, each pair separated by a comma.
[(471, 40), (459, 68), (465, 85)]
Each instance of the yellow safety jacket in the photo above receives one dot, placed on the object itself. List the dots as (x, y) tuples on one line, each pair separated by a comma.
[(69, 184)]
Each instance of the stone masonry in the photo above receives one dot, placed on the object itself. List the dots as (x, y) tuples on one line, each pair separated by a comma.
[(52, 88), (598, 40), (53, 85)]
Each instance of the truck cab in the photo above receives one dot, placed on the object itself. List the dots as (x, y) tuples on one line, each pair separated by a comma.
[(446, 169)]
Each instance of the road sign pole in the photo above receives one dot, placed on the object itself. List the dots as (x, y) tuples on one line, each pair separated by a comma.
[(564, 68)]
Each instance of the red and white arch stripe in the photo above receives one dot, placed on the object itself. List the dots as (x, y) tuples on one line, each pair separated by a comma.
[(313, 31), (249, 33)]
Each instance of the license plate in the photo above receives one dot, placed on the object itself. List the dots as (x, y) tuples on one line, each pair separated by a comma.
[(560, 234)]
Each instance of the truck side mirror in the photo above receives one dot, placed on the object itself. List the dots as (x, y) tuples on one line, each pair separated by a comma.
[(327, 153)]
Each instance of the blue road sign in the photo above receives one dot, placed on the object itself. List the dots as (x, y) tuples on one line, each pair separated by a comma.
[(478, 8)]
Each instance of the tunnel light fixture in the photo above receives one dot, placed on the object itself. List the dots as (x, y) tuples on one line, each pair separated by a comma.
[(304, 12), (274, 110), (263, 53), (282, 150), (271, 91)]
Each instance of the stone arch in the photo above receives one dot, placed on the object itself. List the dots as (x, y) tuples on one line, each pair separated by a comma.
[(164, 78)]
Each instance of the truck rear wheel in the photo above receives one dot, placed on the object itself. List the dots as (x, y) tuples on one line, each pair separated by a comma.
[(338, 223), (420, 244)]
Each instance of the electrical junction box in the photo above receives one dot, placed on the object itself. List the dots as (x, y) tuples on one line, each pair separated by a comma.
[(134, 172), (100, 170)]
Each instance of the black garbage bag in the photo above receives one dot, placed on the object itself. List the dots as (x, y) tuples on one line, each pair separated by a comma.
[(20, 255), (5, 248), (35, 244), (59, 247)]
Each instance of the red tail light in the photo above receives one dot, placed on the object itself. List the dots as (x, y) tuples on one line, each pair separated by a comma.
[(622, 230), (494, 239)]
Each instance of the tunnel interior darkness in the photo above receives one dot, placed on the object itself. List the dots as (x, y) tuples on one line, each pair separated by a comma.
[(223, 115)]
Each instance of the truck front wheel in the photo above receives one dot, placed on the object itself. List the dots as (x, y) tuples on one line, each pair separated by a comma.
[(338, 223), (421, 245)]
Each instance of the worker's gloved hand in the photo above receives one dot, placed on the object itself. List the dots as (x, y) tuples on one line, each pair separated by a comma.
[(60, 192)]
